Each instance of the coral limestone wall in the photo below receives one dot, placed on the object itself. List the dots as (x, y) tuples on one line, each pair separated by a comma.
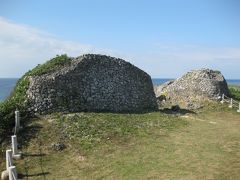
[(92, 83)]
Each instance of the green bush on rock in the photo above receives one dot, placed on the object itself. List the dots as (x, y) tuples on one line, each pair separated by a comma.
[(17, 99)]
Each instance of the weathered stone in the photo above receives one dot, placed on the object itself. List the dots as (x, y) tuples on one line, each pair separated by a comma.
[(58, 146), (92, 83), (194, 88)]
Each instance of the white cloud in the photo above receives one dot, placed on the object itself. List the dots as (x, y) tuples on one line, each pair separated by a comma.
[(173, 60), (23, 47)]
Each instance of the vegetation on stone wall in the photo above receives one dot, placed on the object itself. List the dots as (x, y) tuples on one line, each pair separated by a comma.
[(50, 65), (17, 99)]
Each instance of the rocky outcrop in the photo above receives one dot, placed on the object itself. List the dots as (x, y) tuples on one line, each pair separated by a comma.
[(193, 88), (92, 83)]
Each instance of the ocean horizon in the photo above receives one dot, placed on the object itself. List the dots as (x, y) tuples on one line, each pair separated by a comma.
[(8, 84)]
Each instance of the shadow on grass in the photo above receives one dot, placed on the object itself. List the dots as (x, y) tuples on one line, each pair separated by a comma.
[(24, 176), (144, 111), (141, 111), (33, 155), (27, 133), (179, 111)]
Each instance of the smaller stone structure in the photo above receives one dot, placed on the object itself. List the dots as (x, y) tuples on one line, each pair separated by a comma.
[(193, 88)]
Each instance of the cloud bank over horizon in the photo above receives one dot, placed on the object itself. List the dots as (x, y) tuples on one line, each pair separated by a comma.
[(22, 47)]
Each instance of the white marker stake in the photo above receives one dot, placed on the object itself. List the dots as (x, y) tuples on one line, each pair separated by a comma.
[(238, 108), (14, 145), (222, 101), (15, 153), (17, 121), (9, 161), (12, 173), (231, 103)]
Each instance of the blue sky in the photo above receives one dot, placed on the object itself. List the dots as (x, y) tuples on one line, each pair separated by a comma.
[(164, 38)]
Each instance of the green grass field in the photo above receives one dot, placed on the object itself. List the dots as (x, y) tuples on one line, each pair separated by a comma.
[(153, 145)]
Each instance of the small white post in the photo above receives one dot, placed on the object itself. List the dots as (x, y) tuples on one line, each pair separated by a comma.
[(17, 121), (222, 101), (12, 173), (231, 103), (238, 108), (15, 153), (9, 161), (14, 145)]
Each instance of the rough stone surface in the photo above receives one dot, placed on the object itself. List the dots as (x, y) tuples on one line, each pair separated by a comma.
[(193, 88), (92, 83), (58, 146)]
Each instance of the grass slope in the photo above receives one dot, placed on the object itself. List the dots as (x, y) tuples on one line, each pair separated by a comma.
[(17, 99), (130, 146)]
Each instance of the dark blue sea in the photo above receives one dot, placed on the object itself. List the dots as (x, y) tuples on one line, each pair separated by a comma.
[(7, 85)]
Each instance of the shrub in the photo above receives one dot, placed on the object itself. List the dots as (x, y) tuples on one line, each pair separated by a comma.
[(235, 92)]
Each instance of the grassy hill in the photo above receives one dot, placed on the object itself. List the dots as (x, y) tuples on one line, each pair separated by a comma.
[(155, 145)]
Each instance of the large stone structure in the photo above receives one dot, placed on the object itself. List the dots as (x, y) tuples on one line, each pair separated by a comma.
[(92, 83), (193, 88)]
